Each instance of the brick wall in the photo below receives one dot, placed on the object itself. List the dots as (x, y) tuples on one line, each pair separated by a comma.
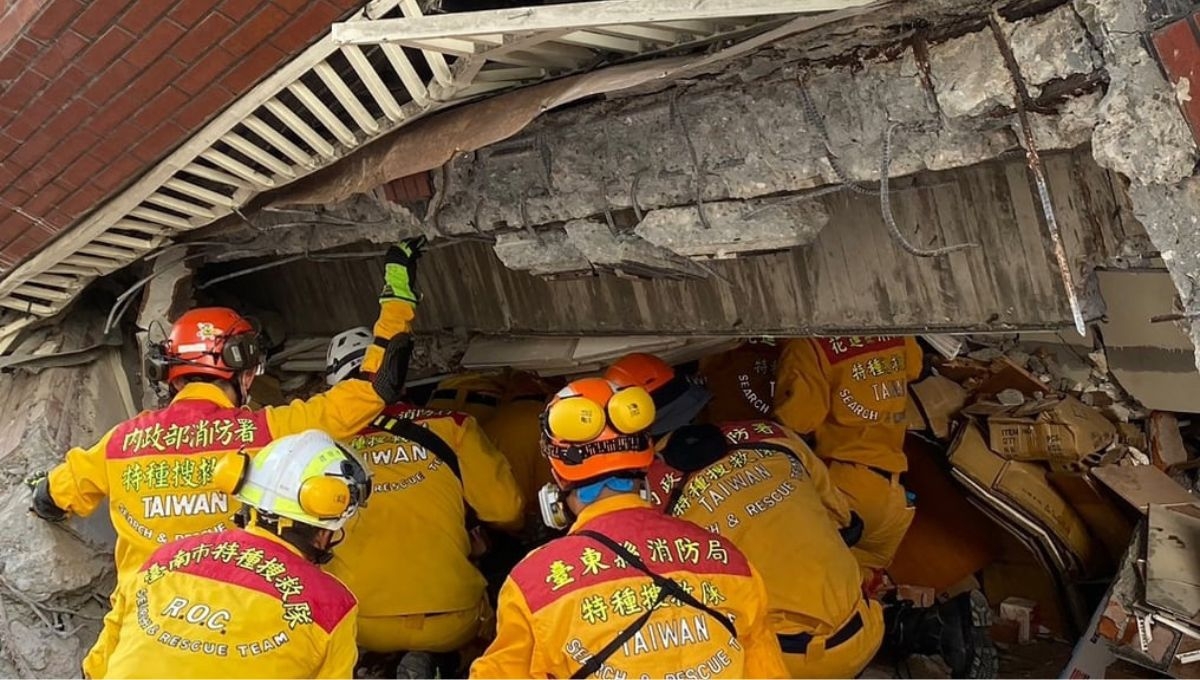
[(94, 92), (1178, 48)]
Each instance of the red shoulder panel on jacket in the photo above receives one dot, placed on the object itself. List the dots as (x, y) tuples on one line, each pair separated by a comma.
[(837, 350)]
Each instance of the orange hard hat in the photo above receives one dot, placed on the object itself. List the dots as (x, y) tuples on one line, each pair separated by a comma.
[(593, 428), (644, 370), (211, 341), (677, 398)]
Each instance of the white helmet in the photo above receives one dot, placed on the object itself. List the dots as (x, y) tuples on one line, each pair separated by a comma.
[(346, 353), (308, 478)]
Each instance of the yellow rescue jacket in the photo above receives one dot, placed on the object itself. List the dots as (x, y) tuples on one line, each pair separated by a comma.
[(773, 499), (515, 429), (572, 597), (852, 393), (407, 551), (157, 469), (235, 604)]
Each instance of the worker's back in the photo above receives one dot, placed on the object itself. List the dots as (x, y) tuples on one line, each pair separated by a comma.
[(771, 496), (569, 599), (852, 393), (407, 552), (235, 604)]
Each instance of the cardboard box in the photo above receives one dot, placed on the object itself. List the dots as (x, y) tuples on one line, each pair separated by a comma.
[(939, 400), (1025, 485), (1063, 430)]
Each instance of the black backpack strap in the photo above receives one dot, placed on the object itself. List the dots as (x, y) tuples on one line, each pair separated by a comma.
[(666, 587), (421, 436)]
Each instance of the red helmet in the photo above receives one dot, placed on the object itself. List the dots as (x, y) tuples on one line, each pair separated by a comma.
[(212, 341), (593, 428)]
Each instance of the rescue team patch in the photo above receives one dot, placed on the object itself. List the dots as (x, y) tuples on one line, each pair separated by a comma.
[(243, 559), (750, 431), (418, 413), (189, 427), (837, 350), (664, 544)]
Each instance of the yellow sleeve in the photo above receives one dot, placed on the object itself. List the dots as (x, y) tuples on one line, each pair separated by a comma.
[(395, 317), (80, 482), (801, 388), (488, 482), (342, 653), (914, 358), (95, 664), (831, 497), (511, 654), (343, 410), (764, 658)]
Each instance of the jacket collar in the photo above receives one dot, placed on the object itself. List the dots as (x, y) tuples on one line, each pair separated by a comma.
[(202, 391), (608, 505), (274, 538)]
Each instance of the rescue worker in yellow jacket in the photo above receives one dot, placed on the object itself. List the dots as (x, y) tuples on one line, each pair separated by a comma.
[(430, 468), (741, 381), (851, 393), (628, 592), (247, 603), (760, 486), (157, 469)]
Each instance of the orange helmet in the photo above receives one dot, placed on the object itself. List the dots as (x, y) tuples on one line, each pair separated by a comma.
[(213, 341), (593, 428), (677, 399)]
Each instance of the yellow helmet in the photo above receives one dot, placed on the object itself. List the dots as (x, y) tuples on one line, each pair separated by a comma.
[(308, 478)]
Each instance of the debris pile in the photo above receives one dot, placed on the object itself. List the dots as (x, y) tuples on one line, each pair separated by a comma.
[(1049, 447)]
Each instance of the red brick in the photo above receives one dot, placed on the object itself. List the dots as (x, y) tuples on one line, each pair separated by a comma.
[(75, 145), (83, 201), (205, 70), (202, 37), (158, 76), (152, 44), (237, 9), (22, 92), (83, 169), (7, 146), (121, 169), (115, 42), (252, 67), (143, 14), (26, 47), (15, 16), (256, 30), (1179, 54), (201, 108), (307, 27), (53, 19), (13, 226), (189, 12), (111, 82), (59, 54), (12, 65), (23, 126), (156, 144), (46, 198), (164, 106), (99, 16), (25, 245), (115, 112), (69, 119), (61, 90)]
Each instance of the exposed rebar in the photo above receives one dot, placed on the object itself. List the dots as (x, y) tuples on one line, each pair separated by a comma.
[(697, 167), (885, 206)]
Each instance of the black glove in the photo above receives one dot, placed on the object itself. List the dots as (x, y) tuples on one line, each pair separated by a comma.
[(389, 380), (853, 532), (400, 271), (43, 505)]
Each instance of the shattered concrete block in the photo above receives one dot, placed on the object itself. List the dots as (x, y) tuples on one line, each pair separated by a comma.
[(50, 656), (626, 252), (735, 227), (40, 559), (545, 254), (969, 76), (1052, 46)]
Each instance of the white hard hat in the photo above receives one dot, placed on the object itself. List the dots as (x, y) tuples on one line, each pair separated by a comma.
[(308, 478), (346, 353)]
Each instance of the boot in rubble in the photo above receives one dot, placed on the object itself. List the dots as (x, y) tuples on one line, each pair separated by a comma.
[(956, 630), (416, 665)]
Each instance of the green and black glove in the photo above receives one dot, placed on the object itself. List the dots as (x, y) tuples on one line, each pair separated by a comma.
[(400, 271), (43, 505)]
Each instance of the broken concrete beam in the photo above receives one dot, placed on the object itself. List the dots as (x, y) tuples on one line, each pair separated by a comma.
[(1052, 46), (969, 76), (626, 253), (546, 253), (734, 227)]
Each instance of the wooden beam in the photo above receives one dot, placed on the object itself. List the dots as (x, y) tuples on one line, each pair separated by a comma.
[(574, 16)]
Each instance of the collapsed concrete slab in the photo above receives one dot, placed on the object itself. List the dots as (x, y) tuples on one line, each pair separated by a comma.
[(728, 228)]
